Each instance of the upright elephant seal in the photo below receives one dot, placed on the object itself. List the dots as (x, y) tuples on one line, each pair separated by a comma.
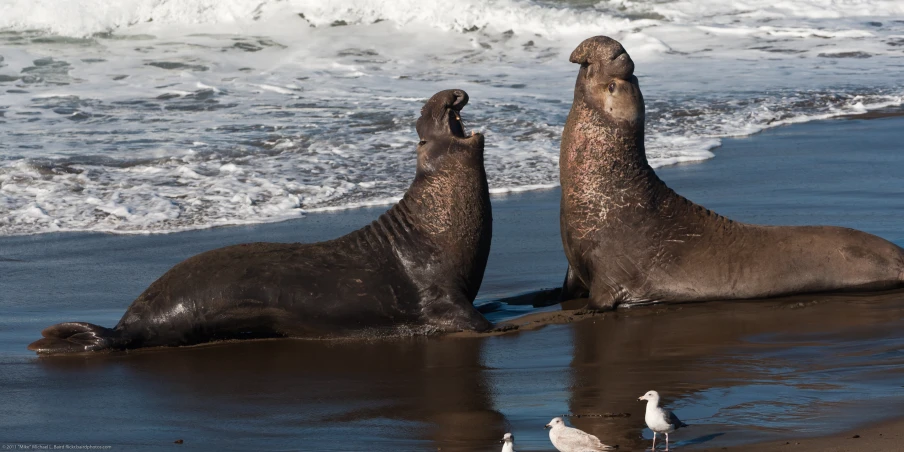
[(415, 269), (630, 239)]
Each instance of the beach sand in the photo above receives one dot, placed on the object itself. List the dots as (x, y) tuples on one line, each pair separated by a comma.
[(751, 375), (885, 436)]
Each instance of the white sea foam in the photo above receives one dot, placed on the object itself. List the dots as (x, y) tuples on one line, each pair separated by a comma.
[(693, 10), (158, 116), (83, 18)]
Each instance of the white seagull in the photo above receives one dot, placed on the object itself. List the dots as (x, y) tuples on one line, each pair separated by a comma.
[(508, 443), (658, 419), (567, 439)]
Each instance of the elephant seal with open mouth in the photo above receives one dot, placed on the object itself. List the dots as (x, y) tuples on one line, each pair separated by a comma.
[(630, 239), (416, 269)]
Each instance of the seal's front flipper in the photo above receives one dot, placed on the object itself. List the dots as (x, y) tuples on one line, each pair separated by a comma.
[(573, 287), (450, 312), (74, 337), (538, 298)]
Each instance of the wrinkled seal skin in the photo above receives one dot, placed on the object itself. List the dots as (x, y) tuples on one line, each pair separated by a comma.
[(416, 269), (630, 239)]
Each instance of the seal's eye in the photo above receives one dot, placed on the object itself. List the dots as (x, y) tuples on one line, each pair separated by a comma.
[(612, 88), (421, 143)]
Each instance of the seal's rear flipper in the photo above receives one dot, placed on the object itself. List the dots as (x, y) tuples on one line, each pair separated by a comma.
[(74, 337)]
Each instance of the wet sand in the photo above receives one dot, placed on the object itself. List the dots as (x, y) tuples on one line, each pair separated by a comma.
[(751, 375), (886, 436)]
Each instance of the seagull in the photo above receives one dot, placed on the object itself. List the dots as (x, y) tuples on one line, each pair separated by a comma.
[(658, 419), (508, 443), (567, 439)]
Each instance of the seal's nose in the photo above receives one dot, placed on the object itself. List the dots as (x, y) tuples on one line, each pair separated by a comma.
[(606, 52), (459, 100), (621, 66)]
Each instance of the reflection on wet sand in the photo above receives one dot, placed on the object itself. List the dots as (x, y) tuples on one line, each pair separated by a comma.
[(386, 395), (737, 372)]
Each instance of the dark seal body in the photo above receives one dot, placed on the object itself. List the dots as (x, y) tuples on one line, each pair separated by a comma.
[(630, 239), (416, 269)]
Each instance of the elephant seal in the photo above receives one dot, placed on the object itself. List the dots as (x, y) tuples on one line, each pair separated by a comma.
[(630, 239), (416, 269)]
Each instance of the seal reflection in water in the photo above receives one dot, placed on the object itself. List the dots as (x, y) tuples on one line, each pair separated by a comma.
[(414, 270), (629, 238)]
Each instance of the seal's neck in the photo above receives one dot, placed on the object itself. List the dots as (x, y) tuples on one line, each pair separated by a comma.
[(605, 152), (450, 200), (450, 205), (604, 168), (603, 164)]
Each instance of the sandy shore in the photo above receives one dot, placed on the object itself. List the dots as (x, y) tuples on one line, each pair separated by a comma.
[(752, 375), (882, 437)]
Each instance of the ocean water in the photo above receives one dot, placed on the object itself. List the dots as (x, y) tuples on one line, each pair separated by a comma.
[(136, 116), (738, 372)]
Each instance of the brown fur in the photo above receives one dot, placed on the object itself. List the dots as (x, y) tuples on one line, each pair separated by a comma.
[(629, 238)]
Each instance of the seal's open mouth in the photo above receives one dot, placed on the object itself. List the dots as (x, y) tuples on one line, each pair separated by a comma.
[(456, 127), (441, 117), (454, 106)]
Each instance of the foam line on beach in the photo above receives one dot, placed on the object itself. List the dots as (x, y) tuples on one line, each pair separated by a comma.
[(144, 116)]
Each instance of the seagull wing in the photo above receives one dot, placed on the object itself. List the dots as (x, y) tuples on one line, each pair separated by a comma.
[(574, 439), (678, 423)]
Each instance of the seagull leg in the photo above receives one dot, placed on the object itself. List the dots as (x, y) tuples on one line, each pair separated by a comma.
[(666, 442), (654, 442)]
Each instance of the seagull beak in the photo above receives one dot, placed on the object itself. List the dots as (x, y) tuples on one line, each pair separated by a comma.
[(640, 398), (547, 426)]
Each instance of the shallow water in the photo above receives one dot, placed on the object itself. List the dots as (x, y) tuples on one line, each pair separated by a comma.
[(738, 372)]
